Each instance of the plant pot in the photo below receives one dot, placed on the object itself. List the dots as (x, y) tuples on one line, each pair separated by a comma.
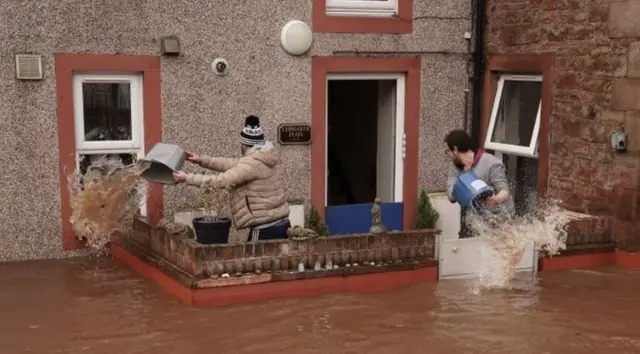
[(186, 217), (211, 230)]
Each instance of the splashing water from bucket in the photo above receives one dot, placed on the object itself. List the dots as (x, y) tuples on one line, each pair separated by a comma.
[(503, 243), (105, 199)]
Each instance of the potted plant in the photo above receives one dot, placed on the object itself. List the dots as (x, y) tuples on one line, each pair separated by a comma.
[(315, 223), (426, 214), (215, 228)]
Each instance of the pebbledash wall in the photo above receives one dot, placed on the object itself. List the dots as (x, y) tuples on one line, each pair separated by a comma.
[(588, 53), (185, 103)]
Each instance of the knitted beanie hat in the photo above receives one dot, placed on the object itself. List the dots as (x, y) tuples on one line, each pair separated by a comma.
[(252, 133)]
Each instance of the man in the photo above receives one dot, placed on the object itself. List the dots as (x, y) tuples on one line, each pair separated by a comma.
[(487, 167), (257, 196)]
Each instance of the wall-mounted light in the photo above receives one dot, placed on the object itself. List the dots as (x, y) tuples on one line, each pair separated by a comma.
[(296, 37), (170, 45)]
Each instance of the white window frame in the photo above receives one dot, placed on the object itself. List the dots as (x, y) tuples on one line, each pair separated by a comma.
[(510, 149), (384, 8), (134, 146), (135, 90)]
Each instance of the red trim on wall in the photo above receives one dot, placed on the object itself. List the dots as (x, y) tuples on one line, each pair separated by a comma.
[(240, 294), (65, 66), (321, 66), (630, 260), (402, 23), (579, 261)]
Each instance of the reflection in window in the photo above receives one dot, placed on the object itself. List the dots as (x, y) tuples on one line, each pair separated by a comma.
[(517, 112), (107, 111), (523, 177)]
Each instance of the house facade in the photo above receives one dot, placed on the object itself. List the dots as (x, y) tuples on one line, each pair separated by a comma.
[(82, 79), (579, 62)]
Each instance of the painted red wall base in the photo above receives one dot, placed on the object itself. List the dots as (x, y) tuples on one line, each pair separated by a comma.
[(577, 261), (233, 295), (629, 260)]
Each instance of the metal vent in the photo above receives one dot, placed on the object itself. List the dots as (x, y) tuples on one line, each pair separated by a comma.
[(28, 67)]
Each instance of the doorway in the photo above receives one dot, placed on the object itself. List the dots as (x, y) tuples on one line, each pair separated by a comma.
[(365, 151)]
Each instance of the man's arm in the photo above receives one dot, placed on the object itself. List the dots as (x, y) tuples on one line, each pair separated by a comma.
[(498, 180)]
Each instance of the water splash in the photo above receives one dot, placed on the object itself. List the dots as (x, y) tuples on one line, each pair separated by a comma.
[(503, 243), (105, 199)]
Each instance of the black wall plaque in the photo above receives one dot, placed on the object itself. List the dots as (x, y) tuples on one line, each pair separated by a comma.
[(294, 134)]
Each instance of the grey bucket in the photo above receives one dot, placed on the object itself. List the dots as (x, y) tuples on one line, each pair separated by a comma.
[(164, 159)]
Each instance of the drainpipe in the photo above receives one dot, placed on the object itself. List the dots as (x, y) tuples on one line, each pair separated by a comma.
[(478, 70)]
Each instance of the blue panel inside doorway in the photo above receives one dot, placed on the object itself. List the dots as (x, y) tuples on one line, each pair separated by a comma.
[(356, 218)]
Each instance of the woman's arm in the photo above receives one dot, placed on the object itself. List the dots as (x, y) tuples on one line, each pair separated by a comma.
[(218, 164), (237, 175)]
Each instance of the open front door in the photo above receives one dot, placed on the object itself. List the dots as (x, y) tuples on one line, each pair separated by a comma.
[(365, 151)]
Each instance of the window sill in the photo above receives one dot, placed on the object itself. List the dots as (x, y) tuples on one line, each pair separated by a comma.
[(363, 22)]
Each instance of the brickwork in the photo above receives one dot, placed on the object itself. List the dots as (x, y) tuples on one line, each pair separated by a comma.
[(589, 232), (596, 91), (203, 261)]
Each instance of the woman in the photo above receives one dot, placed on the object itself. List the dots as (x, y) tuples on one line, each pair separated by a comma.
[(257, 196)]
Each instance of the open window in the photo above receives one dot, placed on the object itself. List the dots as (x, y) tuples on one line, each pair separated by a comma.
[(515, 117), (384, 8), (512, 134)]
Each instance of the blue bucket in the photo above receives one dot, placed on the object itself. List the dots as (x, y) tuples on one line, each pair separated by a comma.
[(470, 189)]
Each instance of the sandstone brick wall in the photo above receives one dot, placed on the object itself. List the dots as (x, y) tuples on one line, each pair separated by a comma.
[(207, 260), (596, 91), (593, 232)]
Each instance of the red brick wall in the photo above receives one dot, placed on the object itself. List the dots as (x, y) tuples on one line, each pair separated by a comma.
[(596, 91)]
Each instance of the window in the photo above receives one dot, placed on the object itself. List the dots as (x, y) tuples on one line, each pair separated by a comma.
[(515, 118), (362, 7), (108, 121), (513, 134), (108, 112)]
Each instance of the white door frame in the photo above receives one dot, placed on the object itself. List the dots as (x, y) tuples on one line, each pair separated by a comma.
[(400, 79)]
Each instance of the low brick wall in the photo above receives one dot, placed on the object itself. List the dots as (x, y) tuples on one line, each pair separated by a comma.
[(590, 231), (202, 261)]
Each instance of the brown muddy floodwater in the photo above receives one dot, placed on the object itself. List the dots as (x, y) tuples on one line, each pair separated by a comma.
[(99, 306)]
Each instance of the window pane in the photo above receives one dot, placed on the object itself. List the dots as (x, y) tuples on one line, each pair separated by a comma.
[(523, 177), (107, 111), (517, 112), (97, 166)]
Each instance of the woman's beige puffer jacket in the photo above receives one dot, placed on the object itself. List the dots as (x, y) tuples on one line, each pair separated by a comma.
[(257, 194)]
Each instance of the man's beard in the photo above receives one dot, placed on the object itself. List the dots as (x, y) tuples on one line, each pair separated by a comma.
[(459, 165)]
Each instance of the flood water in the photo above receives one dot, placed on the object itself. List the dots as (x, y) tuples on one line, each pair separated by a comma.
[(100, 306)]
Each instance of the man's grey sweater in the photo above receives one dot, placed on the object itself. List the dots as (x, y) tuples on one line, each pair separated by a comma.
[(491, 170)]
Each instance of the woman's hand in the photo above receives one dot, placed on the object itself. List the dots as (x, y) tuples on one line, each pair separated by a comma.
[(179, 176), (191, 157)]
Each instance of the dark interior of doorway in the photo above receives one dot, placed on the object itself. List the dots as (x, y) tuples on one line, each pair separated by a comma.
[(352, 141)]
